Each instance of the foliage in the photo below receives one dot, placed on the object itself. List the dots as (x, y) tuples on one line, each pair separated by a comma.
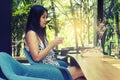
[(70, 18), (111, 8)]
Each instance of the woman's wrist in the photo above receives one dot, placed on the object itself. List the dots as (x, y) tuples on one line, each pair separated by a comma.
[(52, 43)]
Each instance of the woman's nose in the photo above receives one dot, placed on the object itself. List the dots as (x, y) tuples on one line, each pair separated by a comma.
[(45, 19)]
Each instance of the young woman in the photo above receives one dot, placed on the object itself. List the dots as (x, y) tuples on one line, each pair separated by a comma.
[(36, 42)]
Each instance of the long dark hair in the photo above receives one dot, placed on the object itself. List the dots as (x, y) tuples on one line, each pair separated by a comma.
[(33, 22)]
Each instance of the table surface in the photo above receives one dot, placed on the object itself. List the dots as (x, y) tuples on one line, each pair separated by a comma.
[(97, 66)]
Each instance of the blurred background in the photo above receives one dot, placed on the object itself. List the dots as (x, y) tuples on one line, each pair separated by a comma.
[(82, 23)]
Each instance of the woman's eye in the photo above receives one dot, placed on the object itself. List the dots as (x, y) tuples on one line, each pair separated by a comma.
[(44, 17)]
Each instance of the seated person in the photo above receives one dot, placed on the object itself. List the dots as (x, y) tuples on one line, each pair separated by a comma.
[(37, 44)]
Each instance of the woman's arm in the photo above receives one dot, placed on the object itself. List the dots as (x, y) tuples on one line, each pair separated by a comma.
[(33, 42)]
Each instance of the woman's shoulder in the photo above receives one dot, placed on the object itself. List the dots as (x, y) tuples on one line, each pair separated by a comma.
[(31, 34), (31, 38)]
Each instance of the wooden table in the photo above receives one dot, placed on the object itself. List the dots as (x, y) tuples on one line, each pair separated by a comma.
[(98, 67)]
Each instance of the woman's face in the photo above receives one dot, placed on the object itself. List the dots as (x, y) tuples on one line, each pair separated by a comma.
[(43, 19)]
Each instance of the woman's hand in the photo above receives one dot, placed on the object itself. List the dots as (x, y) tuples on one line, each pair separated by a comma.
[(57, 41)]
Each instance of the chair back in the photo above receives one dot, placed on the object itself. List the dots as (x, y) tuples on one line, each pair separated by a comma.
[(10, 66), (14, 70), (2, 79), (29, 58)]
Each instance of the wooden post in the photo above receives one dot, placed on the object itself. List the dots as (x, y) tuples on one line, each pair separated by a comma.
[(5, 26)]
